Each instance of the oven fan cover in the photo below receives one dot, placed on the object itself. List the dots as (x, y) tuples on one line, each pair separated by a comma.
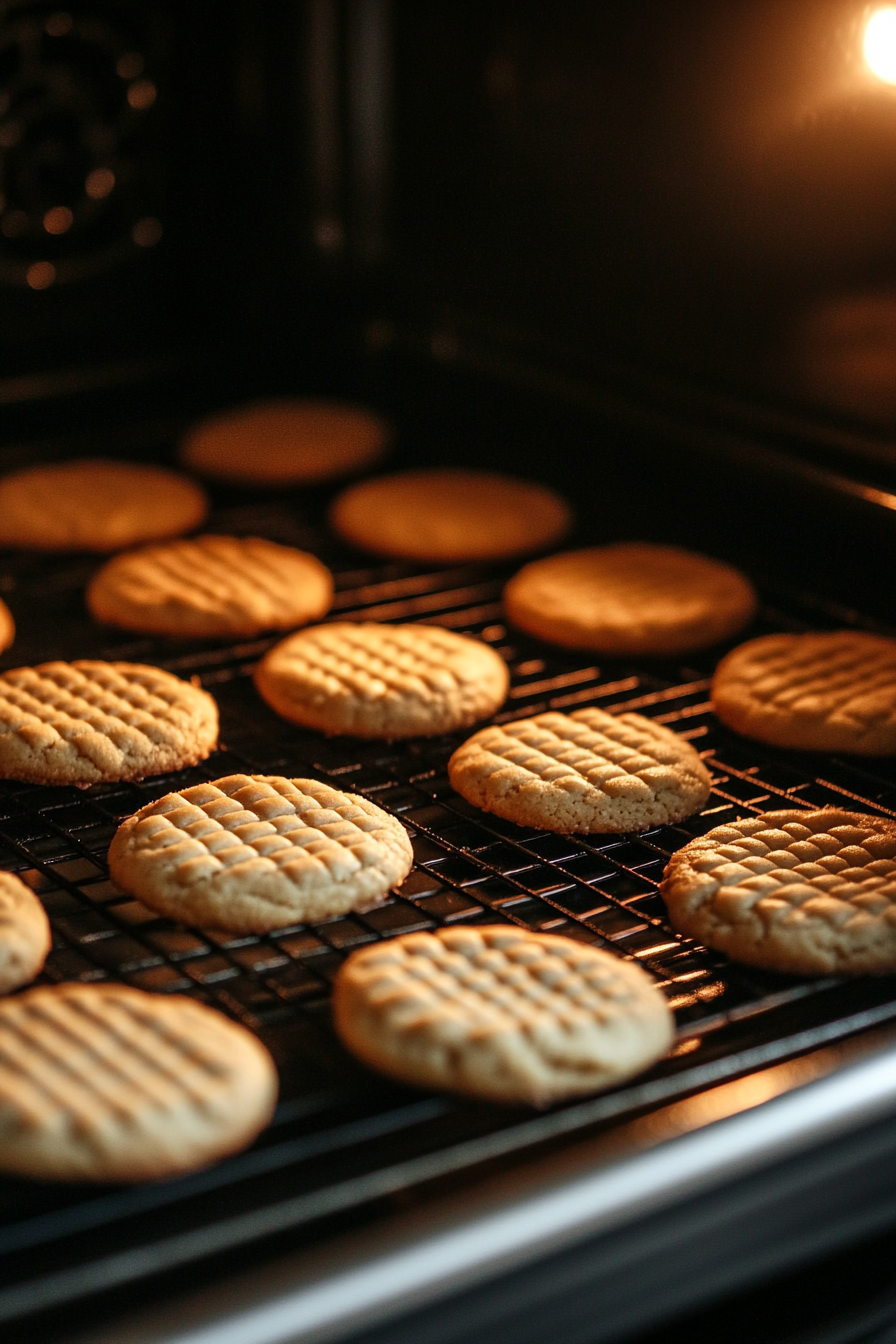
[(77, 99)]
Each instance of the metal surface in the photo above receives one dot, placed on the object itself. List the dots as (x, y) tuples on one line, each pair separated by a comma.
[(342, 1139), (588, 1198)]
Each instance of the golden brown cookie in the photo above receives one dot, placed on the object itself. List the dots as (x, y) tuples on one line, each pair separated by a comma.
[(500, 1013), (286, 442), (206, 586), (450, 516), (82, 722), (96, 505), (7, 627), (820, 692), (257, 852), (589, 771), (382, 681), (812, 893), (632, 599), (24, 934), (106, 1083)]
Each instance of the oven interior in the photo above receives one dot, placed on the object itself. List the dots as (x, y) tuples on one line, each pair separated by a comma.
[(608, 251)]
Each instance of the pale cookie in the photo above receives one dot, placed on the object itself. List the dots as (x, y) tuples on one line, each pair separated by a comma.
[(450, 516), (820, 692), (257, 852), (588, 771), (79, 723), (812, 893), (286, 442), (106, 1083), (96, 505), (382, 681), (7, 626), (24, 934), (229, 586), (633, 599), (500, 1013)]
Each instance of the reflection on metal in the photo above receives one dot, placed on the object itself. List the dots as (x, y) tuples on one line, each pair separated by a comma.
[(691, 1147)]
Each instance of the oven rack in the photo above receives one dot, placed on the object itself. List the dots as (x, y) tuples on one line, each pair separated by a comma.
[(343, 1140)]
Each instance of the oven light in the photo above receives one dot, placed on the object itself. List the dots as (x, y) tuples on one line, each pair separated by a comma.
[(880, 44)]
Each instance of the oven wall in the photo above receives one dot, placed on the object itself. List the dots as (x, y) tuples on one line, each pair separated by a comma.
[(644, 216), (680, 185)]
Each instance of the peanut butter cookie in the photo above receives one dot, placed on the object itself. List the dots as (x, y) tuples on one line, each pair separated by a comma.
[(382, 681), (96, 505), (500, 1013), (257, 852), (633, 599), (206, 586), (82, 722), (450, 516), (106, 1083), (812, 893), (820, 692), (285, 442), (588, 771)]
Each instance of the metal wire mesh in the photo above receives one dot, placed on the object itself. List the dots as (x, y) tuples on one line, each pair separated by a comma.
[(470, 868)]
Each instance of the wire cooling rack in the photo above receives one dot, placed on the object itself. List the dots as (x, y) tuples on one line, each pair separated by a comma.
[(341, 1137)]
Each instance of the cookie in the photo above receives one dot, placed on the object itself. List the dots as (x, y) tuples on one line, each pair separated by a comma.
[(450, 516), (257, 852), (96, 505), (633, 599), (500, 1013), (812, 893), (82, 722), (24, 934), (206, 586), (106, 1083), (7, 626), (588, 771), (382, 681), (286, 442), (822, 692)]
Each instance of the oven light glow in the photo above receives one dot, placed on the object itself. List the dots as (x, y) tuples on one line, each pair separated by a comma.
[(880, 44)]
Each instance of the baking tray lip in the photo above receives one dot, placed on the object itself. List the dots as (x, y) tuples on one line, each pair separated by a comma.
[(384, 1273)]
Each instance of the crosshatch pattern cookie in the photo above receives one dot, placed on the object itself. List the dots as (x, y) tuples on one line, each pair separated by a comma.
[(286, 442), (812, 893), (234, 586), (822, 692), (78, 723), (631, 599), (500, 1013), (96, 505), (382, 681), (257, 852), (103, 1082), (588, 771), (24, 934), (450, 516)]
